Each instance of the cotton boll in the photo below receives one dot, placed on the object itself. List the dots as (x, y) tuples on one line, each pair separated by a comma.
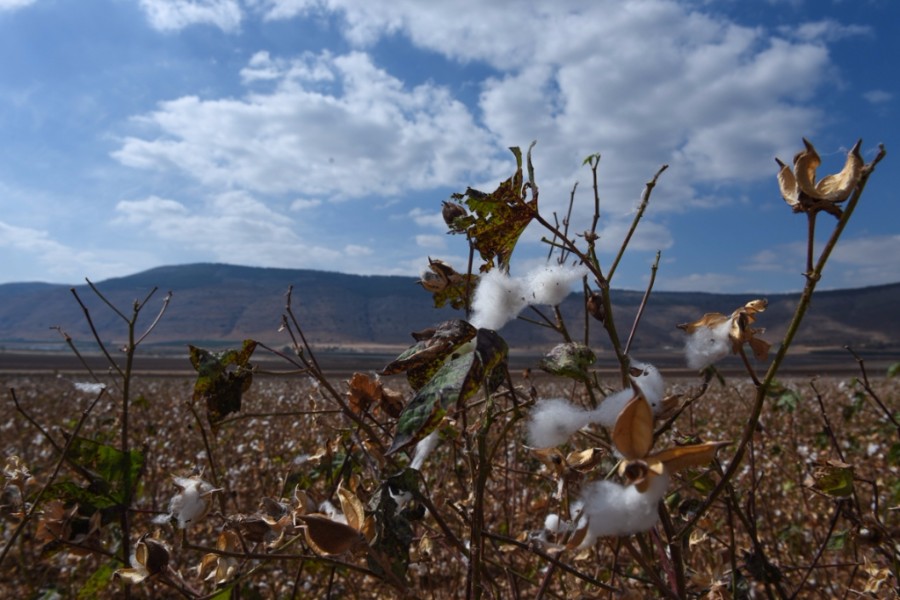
[(423, 449), (651, 384), (553, 422), (706, 345), (498, 299), (608, 411), (192, 504), (551, 284), (613, 509), (649, 381)]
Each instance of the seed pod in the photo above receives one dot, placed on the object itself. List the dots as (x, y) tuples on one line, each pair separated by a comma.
[(595, 306)]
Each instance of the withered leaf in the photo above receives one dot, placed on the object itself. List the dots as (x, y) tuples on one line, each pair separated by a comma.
[(222, 379), (422, 360), (499, 218)]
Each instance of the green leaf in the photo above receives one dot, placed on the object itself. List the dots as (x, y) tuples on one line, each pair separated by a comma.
[(788, 400), (222, 378), (112, 475), (499, 218), (834, 478), (457, 380), (97, 582), (223, 594), (838, 540), (569, 360), (422, 361), (893, 370)]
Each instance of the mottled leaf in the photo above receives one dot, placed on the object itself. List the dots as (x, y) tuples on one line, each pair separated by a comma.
[(834, 478), (456, 381), (569, 360), (499, 218), (422, 360), (222, 379)]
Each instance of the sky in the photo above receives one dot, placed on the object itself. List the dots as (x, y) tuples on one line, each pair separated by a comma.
[(324, 134)]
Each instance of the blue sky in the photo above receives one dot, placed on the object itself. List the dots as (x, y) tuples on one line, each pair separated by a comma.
[(324, 134)]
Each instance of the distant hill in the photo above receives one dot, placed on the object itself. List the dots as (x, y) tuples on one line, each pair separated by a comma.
[(217, 304)]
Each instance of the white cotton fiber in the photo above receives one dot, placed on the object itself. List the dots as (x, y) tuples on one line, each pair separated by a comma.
[(652, 386), (423, 449), (551, 284), (609, 409), (706, 345), (613, 509), (498, 300), (553, 422)]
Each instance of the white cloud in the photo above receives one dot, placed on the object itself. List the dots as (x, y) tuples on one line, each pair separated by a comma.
[(14, 4), (424, 218), (694, 282), (709, 97), (855, 262), (878, 96), (233, 227), (173, 15), (437, 242), (827, 30), (64, 262), (305, 204), (358, 132)]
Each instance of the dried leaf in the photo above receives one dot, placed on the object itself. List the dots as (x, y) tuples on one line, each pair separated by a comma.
[(584, 460), (633, 432), (222, 379)]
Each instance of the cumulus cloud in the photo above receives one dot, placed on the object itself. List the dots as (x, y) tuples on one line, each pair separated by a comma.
[(14, 4), (855, 262), (173, 15), (357, 131), (63, 261), (233, 227)]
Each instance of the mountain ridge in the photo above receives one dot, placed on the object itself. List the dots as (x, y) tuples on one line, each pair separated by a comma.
[(216, 303)]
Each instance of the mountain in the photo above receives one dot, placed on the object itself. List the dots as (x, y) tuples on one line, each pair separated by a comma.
[(217, 304)]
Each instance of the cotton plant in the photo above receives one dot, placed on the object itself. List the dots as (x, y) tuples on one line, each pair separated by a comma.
[(609, 508), (499, 298), (714, 335)]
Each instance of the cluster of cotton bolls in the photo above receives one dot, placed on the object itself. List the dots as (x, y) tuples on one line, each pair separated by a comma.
[(499, 298), (554, 421), (606, 508)]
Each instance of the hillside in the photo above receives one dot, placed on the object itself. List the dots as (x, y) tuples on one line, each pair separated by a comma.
[(219, 304)]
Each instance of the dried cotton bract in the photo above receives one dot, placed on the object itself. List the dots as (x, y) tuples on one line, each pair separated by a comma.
[(713, 336), (804, 194)]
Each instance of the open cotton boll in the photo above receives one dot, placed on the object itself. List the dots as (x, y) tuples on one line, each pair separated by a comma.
[(193, 502), (551, 284), (651, 384), (498, 300), (613, 509), (609, 409), (423, 449), (706, 345), (554, 421)]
